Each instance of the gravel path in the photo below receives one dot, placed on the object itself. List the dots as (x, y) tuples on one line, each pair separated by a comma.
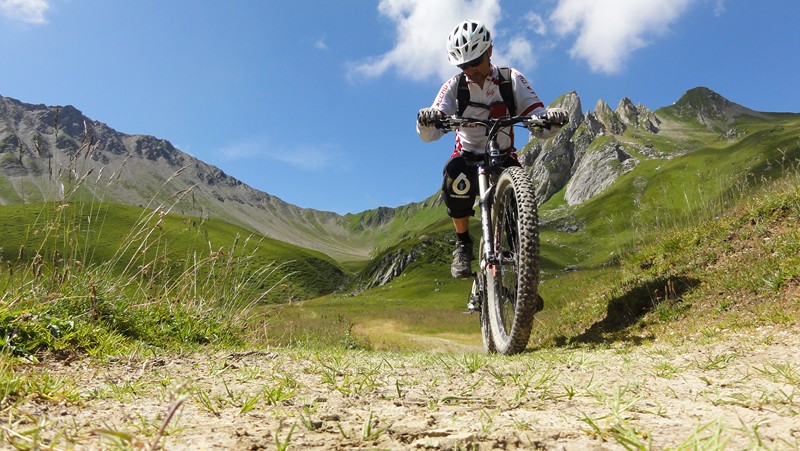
[(740, 392)]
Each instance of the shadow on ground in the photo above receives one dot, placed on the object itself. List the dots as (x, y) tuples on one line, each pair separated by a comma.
[(622, 321)]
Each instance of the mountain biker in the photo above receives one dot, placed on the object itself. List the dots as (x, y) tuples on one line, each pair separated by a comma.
[(469, 47)]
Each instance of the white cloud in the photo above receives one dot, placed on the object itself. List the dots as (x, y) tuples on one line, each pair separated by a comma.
[(537, 23), (304, 156), (320, 44), (29, 11), (609, 31), (421, 29), (604, 33), (719, 7), (243, 150), (519, 50)]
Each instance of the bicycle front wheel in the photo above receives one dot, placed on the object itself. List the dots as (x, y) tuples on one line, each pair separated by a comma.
[(512, 281)]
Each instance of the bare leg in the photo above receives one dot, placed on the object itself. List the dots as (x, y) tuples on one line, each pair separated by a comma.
[(461, 224)]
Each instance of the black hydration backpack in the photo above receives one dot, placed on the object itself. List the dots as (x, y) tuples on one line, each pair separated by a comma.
[(506, 92)]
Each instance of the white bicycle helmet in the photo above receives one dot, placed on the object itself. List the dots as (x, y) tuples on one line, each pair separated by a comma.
[(468, 41)]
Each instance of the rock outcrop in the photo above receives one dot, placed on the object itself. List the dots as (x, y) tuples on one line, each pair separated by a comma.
[(597, 170), (550, 161), (575, 158), (637, 117)]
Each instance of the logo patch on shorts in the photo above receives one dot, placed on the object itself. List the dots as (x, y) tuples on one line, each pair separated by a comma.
[(461, 184)]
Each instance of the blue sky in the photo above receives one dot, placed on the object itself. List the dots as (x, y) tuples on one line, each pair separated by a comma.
[(315, 101)]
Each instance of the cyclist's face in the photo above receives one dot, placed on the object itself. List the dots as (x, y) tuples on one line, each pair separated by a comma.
[(479, 73)]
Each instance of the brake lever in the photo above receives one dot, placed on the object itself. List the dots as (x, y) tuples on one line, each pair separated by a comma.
[(449, 124)]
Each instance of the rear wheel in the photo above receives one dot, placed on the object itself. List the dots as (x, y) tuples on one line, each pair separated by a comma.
[(512, 281)]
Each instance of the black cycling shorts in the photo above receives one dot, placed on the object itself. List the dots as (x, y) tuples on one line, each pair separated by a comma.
[(460, 184)]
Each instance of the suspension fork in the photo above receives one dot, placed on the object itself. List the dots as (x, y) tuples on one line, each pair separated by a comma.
[(485, 190)]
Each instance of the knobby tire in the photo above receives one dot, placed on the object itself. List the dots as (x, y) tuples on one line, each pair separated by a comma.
[(512, 286)]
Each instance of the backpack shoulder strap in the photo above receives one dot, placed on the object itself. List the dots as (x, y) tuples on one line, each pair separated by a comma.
[(462, 94), (507, 90)]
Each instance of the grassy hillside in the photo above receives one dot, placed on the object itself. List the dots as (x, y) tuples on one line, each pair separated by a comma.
[(739, 269), (587, 249), (700, 244), (98, 277), (129, 240), (385, 227), (664, 193), (147, 277), (715, 279)]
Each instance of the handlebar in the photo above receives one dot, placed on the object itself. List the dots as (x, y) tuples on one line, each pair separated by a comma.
[(453, 123)]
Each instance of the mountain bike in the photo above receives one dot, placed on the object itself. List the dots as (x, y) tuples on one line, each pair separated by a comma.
[(505, 290)]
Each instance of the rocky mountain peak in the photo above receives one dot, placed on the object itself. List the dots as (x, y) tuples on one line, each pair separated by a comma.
[(571, 158), (708, 107), (606, 116), (572, 103), (70, 120), (584, 157), (627, 112), (638, 117), (702, 98)]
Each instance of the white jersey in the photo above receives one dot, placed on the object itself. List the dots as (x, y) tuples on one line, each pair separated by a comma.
[(473, 139)]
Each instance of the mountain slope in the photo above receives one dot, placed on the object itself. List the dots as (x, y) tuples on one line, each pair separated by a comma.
[(128, 240), (43, 150), (42, 147), (703, 320), (611, 177)]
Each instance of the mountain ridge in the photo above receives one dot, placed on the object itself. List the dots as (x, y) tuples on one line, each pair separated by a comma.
[(38, 142)]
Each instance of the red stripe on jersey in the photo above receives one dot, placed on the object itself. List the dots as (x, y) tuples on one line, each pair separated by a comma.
[(458, 149)]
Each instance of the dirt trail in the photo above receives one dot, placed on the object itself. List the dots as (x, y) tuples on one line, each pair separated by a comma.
[(389, 335), (742, 392)]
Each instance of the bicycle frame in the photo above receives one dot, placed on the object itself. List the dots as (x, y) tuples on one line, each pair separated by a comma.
[(492, 155), (486, 170)]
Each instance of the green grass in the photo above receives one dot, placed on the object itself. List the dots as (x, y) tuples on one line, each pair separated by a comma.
[(681, 249), (686, 279), (394, 316), (124, 238), (385, 229), (663, 194), (741, 270), (678, 205), (102, 278), (85, 268)]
